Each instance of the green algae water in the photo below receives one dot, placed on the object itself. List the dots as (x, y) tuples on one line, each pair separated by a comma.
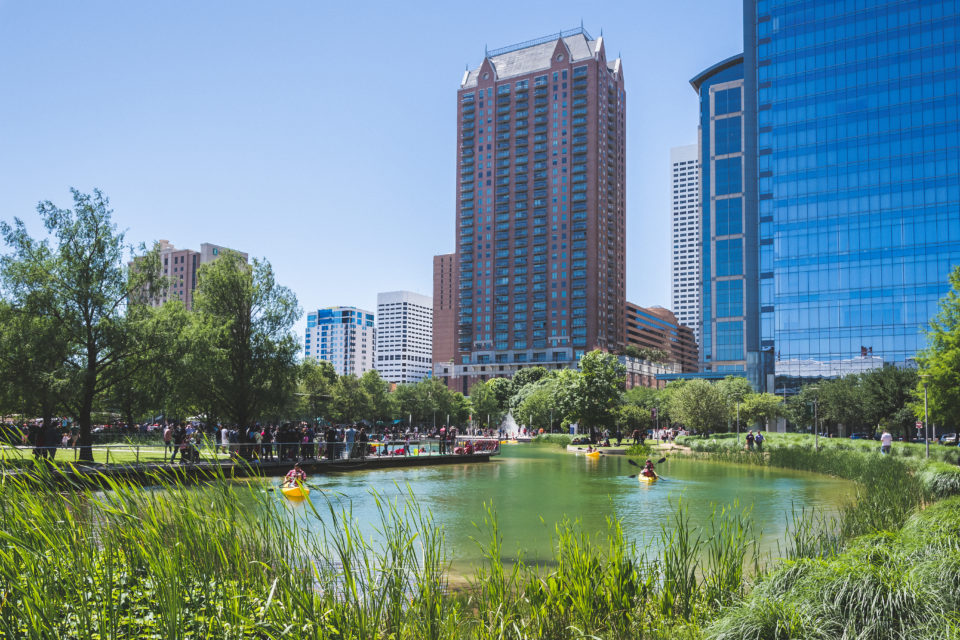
[(533, 487)]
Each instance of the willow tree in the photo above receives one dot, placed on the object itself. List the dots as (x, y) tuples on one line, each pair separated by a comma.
[(243, 327), (80, 279)]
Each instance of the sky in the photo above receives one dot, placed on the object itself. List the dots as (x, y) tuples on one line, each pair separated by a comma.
[(320, 136)]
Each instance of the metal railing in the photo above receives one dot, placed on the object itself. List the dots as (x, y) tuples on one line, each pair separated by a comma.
[(208, 451)]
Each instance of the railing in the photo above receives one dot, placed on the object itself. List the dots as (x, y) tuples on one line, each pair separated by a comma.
[(536, 41), (134, 453)]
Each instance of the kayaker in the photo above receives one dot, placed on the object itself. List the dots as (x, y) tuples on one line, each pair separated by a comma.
[(648, 470), (295, 476)]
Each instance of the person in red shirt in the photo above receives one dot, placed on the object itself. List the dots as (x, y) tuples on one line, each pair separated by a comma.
[(295, 476)]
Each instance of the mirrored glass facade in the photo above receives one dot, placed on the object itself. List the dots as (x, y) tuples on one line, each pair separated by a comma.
[(858, 177), (729, 311)]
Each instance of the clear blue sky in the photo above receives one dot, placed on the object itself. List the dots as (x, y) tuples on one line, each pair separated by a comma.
[(319, 135)]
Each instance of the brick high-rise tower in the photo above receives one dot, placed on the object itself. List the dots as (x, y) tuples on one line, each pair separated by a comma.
[(541, 215)]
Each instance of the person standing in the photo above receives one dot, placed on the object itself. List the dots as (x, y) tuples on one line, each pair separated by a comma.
[(167, 439), (750, 440), (179, 437), (349, 438), (443, 439), (886, 441), (758, 440)]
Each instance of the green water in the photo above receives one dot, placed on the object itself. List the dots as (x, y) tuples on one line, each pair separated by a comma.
[(532, 487)]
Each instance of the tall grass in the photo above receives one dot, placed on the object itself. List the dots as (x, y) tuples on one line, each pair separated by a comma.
[(227, 560)]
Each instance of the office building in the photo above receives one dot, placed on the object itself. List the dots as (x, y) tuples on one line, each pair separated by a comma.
[(541, 206), (729, 315), (685, 230), (404, 336), (856, 162), (444, 309), (180, 267), (658, 328), (344, 337)]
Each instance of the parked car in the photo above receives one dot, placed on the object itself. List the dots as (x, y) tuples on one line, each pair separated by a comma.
[(860, 436), (949, 439)]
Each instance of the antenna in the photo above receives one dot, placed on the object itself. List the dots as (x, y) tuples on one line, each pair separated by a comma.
[(485, 55)]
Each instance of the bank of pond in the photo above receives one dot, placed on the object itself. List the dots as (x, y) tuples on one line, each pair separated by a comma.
[(874, 555)]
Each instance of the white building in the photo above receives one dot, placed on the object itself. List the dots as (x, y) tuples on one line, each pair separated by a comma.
[(404, 336), (344, 337), (685, 263)]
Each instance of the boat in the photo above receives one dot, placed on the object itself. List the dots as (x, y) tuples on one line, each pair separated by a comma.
[(647, 479), (296, 491), (592, 454)]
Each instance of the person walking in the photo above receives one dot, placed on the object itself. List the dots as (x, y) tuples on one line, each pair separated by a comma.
[(179, 437), (167, 439), (886, 442), (758, 440)]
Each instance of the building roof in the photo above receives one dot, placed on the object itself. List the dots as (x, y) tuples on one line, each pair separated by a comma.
[(699, 79), (535, 55)]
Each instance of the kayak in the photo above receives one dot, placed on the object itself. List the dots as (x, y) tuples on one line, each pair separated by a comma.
[(593, 454), (647, 479), (295, 491)]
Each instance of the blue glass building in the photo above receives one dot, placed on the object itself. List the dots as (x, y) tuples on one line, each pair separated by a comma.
[(851, 187), (730, 311)]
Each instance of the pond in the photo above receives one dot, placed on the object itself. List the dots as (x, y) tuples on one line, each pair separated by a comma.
[(533, 487)]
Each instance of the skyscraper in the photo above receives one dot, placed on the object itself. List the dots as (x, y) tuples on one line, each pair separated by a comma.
[(404, 336), (180, 267), (685, 262), (541, 206), (729, 342), (444, 308), (344, 337), (856, 156)]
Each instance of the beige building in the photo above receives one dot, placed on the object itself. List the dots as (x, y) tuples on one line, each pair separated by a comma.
[(180, 267)]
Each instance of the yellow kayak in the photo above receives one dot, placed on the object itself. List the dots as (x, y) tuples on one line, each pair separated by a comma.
[(295, 491), (592, 454), (647, 479)]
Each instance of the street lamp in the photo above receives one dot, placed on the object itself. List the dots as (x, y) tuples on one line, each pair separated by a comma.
[(926, 432), (816, 423), (738, 422)]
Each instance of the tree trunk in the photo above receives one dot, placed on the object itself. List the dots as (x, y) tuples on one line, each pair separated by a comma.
[(86, 437)]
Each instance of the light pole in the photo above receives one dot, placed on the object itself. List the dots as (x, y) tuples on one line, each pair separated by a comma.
[(738, 422), (926, 432), (816, 423)]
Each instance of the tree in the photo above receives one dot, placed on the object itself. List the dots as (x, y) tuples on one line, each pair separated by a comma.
[(503, 390), (632, 417), (378, 391), (243, 325), (90, 293), (33, 350), (940, 361), (646, 353), (350, 401), (534, 404), (317, 382), (841, 401), (762, 408), (598, 389), (485, 404), (888, 394), (526, 376), (700, 406)]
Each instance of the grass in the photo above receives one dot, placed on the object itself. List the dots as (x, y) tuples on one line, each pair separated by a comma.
[(118, 453), (559, 439), (891, 585), (225, 560)]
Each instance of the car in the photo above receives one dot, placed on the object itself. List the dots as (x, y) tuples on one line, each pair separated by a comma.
[(860, 436), (949, 439)]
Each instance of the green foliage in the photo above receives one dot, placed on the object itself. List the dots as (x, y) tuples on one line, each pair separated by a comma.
[(534, 404), (82, 283), (646, 353), (242, 326), (559, 439), (761, 408), (940, 361), (699, 405), (597, 392)]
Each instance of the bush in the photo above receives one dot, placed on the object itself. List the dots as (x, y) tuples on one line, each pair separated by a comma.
[(559, 439), (941, 479)]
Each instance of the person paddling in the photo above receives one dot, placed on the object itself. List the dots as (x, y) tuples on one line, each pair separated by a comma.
[(295, 476), (648, 470)]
